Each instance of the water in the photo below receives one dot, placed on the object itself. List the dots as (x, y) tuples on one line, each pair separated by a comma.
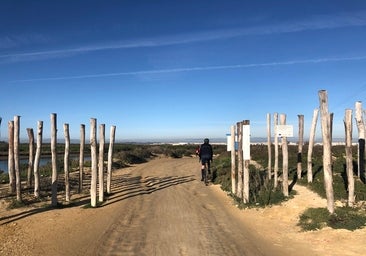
[(43, 161)]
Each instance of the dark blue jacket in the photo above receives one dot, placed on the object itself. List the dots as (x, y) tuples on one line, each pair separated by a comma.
[(206, 151)]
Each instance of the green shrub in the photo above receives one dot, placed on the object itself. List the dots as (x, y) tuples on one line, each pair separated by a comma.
[(343, 218)]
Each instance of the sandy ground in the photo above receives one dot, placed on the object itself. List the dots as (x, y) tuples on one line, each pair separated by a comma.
[(162, 208)]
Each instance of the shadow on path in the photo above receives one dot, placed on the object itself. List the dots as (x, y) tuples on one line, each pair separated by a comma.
[(123, 186)]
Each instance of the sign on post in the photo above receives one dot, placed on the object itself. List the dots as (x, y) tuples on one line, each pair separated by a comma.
[(246, 142), (284, 131)]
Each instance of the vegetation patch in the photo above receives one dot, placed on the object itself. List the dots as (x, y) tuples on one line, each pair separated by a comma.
[(343, 218)]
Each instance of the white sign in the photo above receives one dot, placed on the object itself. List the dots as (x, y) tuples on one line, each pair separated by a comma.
[(284, 130), (246, 142), (228, 142)]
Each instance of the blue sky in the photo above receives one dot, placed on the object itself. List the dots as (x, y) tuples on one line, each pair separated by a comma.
[(178, 69)]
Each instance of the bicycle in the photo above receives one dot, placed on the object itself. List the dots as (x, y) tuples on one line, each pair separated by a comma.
[(206, 174)]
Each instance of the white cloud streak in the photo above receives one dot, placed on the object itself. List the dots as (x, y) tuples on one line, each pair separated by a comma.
[(314, 23), (195, 69)]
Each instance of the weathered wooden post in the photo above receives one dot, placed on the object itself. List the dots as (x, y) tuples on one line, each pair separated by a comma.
[(327, 150), (81, 156), (275, 167), (284, 159), (361, 139), (54, 158), (246, 158), (11, 168), (269, 146), (233, 160), (311, 145), (300, 145), (94, 162), (239, 190), (101, 161), (110, 157), (31, 156), (37, 159), (67, 162), (16, 158), (349, 164)]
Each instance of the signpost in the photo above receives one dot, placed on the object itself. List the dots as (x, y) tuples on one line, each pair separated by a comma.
[(284, 131)]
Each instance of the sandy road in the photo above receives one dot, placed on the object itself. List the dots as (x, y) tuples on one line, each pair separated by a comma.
[(157, 208)]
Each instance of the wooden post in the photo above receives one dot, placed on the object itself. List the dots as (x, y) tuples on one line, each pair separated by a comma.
[(16, 158), (361, 139), (11, 168), (233, 160), (54, 158), (300, 145), (275, 167), (94, 162), (239, 191), (37, 159), (284, 159), (246, 158), (101, 161), (110, 158), (311, 145), (67, 162), (327, 150), (31, 156), (349, 164), (81, 156), (269, 168)]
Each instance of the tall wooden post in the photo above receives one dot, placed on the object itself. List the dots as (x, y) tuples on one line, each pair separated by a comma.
[(311, 145), (54, 158), (31, 156), (349, 164), (94, 162), (101, 161), (300, 145), (233, 160), (16, 158), (81, 156), (11, 168), (269, 168), (361, 139), (284, 159), (327, 150), (37, 159), (246, 158), (239, 191), (275, 167), (67, 162), (110, 158)]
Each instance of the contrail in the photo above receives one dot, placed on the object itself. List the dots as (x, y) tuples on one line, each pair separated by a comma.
[(313, 23), (193, 69)]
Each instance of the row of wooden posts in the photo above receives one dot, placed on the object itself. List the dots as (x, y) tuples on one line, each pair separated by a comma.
[(97, 163), (241, 156)]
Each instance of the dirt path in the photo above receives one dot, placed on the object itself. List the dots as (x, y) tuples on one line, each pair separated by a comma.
[(161, 208)]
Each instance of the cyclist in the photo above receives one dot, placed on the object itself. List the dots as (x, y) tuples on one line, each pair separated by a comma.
[(205, 154)]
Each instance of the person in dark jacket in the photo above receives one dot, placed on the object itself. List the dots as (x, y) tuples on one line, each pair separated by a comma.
[(205, 154)]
